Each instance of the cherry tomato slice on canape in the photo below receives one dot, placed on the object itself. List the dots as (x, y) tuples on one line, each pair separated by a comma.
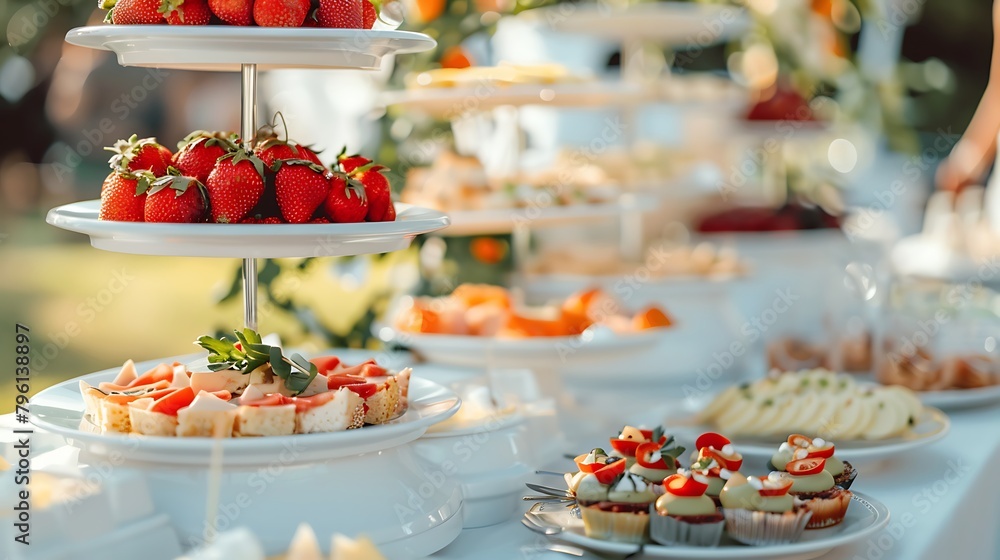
[(607, 473), (727, 462), (802, 467), (711, 439), (589, 468), (823, 452), (799, 440), (777, 490), (643, 456), (680, 485)]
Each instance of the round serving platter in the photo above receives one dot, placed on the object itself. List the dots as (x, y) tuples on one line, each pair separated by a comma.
[(247, 240), (540, 352), (226, 48), (865, 516), (60, 409)]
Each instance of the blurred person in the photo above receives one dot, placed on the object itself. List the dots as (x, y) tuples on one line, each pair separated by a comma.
[(977, 149)]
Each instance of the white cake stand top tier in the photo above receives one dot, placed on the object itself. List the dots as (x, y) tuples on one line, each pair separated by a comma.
[(226, 48)]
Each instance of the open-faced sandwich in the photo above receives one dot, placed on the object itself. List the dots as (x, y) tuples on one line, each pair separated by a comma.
[(247, 389)]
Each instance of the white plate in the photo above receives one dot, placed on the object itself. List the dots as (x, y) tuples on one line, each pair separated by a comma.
[(931, 426), (452, 102), (506, 220), (247, 240), (219, 47), (865, 516), (554, 352), (60, 410), (960, 398), (669, 23)]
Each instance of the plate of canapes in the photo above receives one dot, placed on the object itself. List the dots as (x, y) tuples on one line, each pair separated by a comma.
[(638, 498), (248, 397), (869, 421), (480, 325)]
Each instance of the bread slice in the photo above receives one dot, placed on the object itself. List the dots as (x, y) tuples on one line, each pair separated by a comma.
[(343, 411), (277, 420), (92, 398), (382, 405), (206, 416), (148, 422)]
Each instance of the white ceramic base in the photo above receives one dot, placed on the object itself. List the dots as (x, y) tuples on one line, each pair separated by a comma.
[(222, 47), (388, 495)]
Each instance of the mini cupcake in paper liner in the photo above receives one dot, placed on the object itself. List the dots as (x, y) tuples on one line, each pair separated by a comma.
[(761, 511), (766, 528), (802, 447), (625, 527), (676, 530), (828, 510), (685, 514)]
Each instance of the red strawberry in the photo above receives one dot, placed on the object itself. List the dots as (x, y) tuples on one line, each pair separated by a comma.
[(186, 12), (351, 162), (390, 213), (233, 12), (307, 153), (377, 190), (280, 13), (137, 155), (251, 220), (344, 14), (319, 220), (133, 12), (272, 150), (199, 151), (123, 197), (368, 14), (346, 202), (272, 220), (301, 186), (176, 199), (235, 186)]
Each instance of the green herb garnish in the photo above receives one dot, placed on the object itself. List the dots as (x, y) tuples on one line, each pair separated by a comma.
[(252, 353)]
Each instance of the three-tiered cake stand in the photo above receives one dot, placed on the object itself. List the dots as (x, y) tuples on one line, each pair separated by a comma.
[(356, 482)]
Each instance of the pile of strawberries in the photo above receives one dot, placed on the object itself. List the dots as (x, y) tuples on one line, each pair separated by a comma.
[(345, 14), (212, 178)]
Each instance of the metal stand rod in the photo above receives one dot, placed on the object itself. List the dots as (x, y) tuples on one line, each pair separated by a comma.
[(248, 127)]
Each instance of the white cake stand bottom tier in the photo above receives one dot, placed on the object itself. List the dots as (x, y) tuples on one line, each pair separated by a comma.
[(409, 509)]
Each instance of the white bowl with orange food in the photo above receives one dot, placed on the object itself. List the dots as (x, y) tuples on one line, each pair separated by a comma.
[(487, 326)]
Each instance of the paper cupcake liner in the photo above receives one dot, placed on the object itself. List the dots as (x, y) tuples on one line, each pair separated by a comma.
[(625, 527), (764, 528), (827, 512), (846, 478), (670, 530)]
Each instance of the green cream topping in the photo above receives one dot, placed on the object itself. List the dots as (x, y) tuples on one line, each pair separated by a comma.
[(590, 489), (739, 494), (715, 485), (652, 475), (631, 489), (668, 504), (834, 466), (813, 482), (780, 459)]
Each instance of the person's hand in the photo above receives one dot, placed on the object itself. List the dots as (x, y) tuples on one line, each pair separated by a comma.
[(963, 167)]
